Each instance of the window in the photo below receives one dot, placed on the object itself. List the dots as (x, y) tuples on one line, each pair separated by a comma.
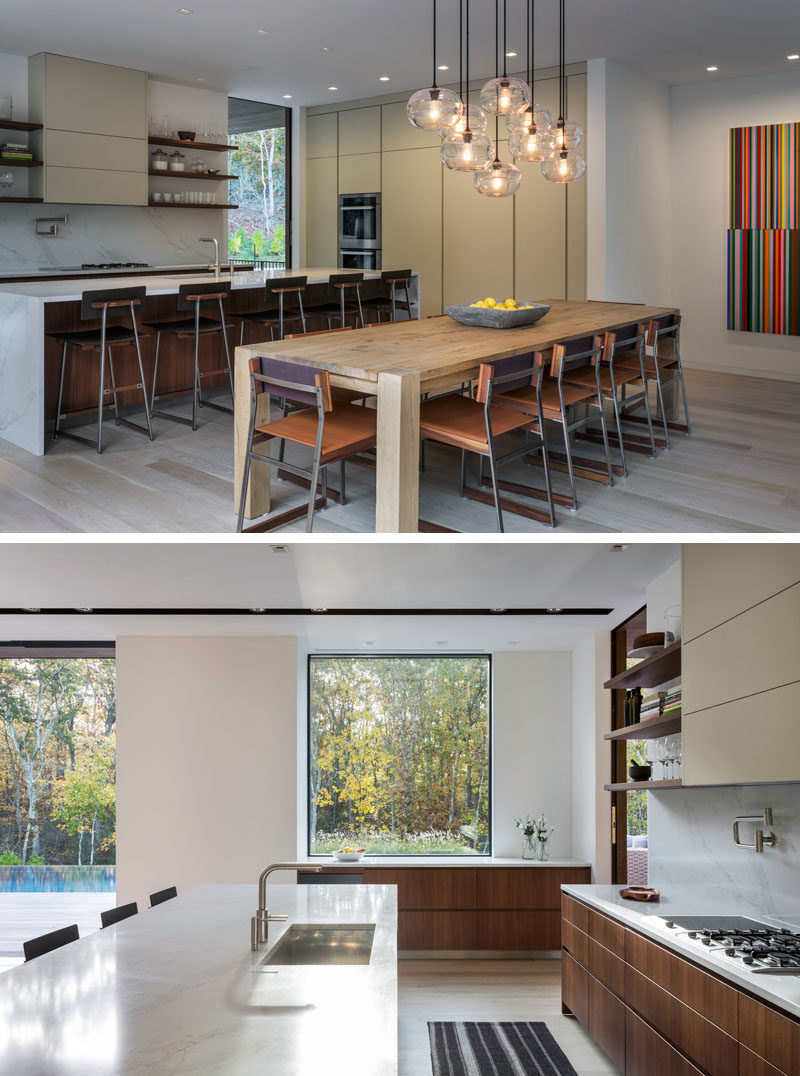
[(399, 758)]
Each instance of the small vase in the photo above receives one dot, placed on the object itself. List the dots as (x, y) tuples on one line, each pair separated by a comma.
[(528, 847), (543, 855)]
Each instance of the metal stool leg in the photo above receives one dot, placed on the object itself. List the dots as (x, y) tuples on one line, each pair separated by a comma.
[(342, 491), (568, 450), (495, 490), (246, 474), (113, 384), (155, 371), (100, 402), (144, 386), (60, 391), (196, 399), (619, 430), (227, 348), (661, 407)]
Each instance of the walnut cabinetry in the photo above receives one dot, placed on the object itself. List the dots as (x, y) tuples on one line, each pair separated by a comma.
[(652, 1012)]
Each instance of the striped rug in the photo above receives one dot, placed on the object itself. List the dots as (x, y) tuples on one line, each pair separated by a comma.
[(505, 1049)]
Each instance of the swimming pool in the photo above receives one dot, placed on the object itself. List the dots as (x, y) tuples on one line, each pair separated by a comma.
[(58, 879)]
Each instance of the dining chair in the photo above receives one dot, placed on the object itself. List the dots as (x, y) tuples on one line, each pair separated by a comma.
[(115, 915), (46, 943), (474, 424), (290, 286), (334, 433), (664, 367), (162, 895)]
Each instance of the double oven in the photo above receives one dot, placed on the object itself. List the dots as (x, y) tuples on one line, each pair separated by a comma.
[(359, 231)]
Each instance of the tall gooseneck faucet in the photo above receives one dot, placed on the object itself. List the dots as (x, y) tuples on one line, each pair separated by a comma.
[(259, 924), (216, 264)]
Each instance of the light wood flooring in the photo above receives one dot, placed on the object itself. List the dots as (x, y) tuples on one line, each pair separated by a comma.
[(487, 990), (27, 915), (739, 471)]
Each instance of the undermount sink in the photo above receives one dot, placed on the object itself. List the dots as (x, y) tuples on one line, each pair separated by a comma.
[(327, 943)]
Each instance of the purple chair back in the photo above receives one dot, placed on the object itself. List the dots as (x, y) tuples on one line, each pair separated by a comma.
[(290, 380), (499, 369)]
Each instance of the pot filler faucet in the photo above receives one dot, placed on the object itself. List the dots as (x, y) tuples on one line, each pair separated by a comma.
[(259, 924), (215, 265)]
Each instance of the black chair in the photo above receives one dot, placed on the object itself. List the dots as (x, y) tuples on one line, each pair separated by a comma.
[(114, 915), (290, 285), (106, 305), (45, 943), (193, 297), (162, 895), (339, 284), (392, 281)]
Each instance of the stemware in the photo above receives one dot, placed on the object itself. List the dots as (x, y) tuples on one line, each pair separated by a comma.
[(663, 757)]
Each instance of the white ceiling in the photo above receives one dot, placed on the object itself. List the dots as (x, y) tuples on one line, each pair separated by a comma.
[(329, 575), (673, 40)]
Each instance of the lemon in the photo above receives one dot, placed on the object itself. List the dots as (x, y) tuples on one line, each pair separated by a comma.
[(510, 304), (490, 301)]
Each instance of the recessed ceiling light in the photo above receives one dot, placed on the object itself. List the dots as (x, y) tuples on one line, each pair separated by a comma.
[(185, 11), (265, 31), (618, 547), (280, 548), (513, 642), (199, 80), (712, 69), (441, 642), (325, 49), (444, 67), (369, 642), (333, 88), (793, 56), (384, 78), (287, 97), (511, 54)]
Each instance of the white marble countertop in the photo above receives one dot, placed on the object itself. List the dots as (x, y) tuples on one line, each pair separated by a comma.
[(176, 990), (445, 861), (782, 991), (75, 271)]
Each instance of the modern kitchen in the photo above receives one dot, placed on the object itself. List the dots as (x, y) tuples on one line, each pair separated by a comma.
[(267, 202), (363, 821)]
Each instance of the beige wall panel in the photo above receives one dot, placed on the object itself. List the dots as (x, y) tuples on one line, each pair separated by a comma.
[(360, 173), (95, 186), (576, 197), (322, 135), (478, 238), (68, 150), (321, 212), (84, 96), (400, 133), (736, 743), (753, 652), (720, 581), (412, 219), (360, 130)]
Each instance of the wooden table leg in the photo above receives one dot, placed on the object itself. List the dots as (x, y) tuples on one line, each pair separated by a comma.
[(258, 499), (397, 471)]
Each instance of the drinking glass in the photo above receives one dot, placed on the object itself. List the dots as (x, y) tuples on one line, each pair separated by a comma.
[(672, 625), (676, 751), (663, 757)]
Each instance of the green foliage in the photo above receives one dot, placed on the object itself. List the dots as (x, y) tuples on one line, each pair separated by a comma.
[(35, 861), (260, 193), (636, 801), (10, 859), (436, 842), (257, 242)]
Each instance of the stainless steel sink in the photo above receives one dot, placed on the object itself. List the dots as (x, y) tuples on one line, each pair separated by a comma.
[(324, 943)]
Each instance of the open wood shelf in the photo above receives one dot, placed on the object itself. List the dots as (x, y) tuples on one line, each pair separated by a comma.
[(6, 199), (186, 175), (655, 670), (633, 786), (156, 140), (191, 205), (14, 162), (649, 729), (19, 125)]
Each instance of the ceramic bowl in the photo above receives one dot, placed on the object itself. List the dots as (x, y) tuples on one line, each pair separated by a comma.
[(496, 317), (348, 857), (186, 136)]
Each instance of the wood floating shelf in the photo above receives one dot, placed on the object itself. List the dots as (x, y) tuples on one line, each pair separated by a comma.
[(649, 729), (655, 670), (156, 140), (186, 175), (19, 125), (13, 162), (5, 199), (187, 205), (635, 786)]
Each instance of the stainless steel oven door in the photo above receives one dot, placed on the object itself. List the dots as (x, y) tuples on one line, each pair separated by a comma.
[(359, 259)]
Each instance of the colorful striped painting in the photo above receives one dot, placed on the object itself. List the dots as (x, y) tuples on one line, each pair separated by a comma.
[(764, 235)]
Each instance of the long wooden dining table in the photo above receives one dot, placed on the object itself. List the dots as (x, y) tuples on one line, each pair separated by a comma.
[(397, 363)]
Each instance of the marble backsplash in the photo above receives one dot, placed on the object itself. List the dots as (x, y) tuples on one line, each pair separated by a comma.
[(107, 234), (691, 846)]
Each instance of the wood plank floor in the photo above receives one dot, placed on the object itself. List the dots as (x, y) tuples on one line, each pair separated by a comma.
[(487, 990), (740, 472), (27, 915)]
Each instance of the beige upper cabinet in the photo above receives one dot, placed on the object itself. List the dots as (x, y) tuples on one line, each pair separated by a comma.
[(400, 133), (360, 173), (96, 98), (321, 212), (360, 130), (322, 135), (412, 219)]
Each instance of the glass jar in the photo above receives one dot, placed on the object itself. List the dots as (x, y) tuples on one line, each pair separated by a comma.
[(198, 164), (177, 161), (159, 161), (528, 846)]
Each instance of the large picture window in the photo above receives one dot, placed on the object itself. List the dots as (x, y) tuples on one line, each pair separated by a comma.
[(399, 754)]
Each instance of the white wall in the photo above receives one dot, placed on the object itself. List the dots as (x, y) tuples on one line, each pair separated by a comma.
[(591, 754), (663, 592), (206, 760), (702, 115)]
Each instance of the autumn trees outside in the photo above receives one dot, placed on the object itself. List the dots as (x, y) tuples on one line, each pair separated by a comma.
[(57, 761), (399, 757), (257, 229)]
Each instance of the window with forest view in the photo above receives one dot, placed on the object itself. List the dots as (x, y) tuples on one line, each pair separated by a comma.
[(57, 768), (257, 228), (399, 754)]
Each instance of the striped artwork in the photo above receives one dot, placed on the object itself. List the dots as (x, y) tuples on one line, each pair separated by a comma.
[(764, 230)]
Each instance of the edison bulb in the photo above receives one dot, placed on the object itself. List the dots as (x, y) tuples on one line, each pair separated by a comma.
[(534, 115), (564, 166), (434, 109), (498, 180), (467, 152), (531, 143), (477, 121), (568, 135), (505, 96)]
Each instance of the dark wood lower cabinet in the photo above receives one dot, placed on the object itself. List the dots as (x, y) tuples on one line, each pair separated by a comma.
[(770, 1035), (525, 930), (436, 930), (648, 1054), (607, 1022), (575, 989), (751, 1064)]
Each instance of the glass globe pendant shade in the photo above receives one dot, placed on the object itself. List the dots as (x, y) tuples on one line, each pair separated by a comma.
[(568, 135), (434, 109), (467, 152), (505, 96), (534, 116), (477, 121), (498, 180), (531, 143), (564, 166)]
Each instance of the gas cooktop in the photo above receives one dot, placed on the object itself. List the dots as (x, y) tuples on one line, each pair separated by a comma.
[(760, 948), (115, 265)]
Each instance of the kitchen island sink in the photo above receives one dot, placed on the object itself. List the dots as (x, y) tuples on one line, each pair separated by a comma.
[(324, 944)]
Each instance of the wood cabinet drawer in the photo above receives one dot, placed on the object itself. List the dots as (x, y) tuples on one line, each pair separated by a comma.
[(607, 932), (708, 996), (575, 941), (751, 1064), (436, 930), (713, 1050), (607, 1022), (647, 1054), (428, 887), (575, 912), (607, 967), (526, 887), (575, 989), (774, 1037), (519, 930)]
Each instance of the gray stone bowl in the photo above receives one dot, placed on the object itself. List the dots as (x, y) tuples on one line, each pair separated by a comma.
[(488, 318)]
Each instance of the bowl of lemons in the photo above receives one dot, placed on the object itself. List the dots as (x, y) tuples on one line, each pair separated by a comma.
[(492, 313)]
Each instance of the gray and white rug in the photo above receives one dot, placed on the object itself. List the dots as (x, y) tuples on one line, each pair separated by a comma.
[(503, 1049)]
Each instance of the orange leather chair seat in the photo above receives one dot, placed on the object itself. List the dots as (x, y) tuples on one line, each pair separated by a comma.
[(347, 430), (623, 375), (649, 364), (459, 421)]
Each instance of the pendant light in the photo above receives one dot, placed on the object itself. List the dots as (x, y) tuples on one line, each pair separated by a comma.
[(498, 180), (531, 137), (565, 165), (502, 95), (467, 151), (434, 109)]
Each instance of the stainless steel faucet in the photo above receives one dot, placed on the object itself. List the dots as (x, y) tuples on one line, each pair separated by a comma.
[(216, 263), (761, 836), (259, 924)]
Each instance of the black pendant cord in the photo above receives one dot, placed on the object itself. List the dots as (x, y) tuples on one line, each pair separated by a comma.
[(528, 45), (497, 38), (505, 39), (434, 45), (562, 83), (461, 50), (497, 140), (466, 50)]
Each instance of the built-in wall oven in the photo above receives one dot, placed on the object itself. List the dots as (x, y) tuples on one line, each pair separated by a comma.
[(360, 231)]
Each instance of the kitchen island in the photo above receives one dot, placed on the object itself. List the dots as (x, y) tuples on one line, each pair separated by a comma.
[(176, 989)]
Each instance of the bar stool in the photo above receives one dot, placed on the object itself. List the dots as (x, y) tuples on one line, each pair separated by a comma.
[(116, 915), (338, 286), (107, 305), (193, 297), (333, 433), (46, 943), (391, 280), (663, 336), (473, 425), (290, 285)]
